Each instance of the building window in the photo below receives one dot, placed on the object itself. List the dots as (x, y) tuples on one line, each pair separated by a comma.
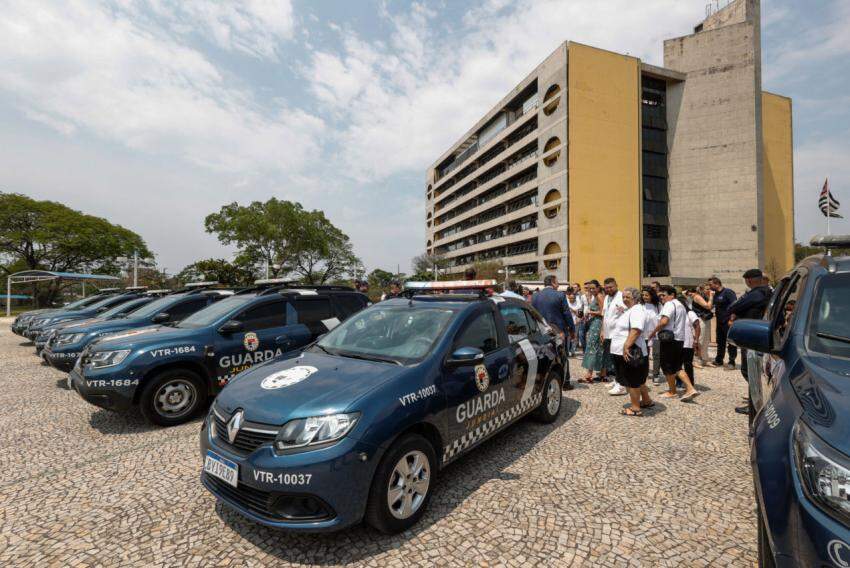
[(550, 159), (552, 196), (551, 99)]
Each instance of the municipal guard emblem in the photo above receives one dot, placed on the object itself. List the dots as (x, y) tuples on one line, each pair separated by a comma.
[(251, 341), (482, 378)]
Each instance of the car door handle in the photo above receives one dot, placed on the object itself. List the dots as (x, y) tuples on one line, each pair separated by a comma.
[(282, 340)]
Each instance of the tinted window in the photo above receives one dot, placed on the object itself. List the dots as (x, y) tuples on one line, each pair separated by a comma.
[(829, 330), (123, 308), (311, 313), (516, 322), (183, 309), (272, 314), (480, 332), (214, 312), (349, 304), (787, 308)]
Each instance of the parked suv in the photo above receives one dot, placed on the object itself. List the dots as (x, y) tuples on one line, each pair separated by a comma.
[(64, 347), (40, 322), (170, 370), (800, 387), (22, 321)]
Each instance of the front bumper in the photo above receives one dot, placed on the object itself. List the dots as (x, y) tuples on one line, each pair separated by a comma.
[(64, 361), (336, 477), (109, 393)]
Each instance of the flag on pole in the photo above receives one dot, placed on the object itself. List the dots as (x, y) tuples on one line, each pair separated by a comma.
[(827, 203)]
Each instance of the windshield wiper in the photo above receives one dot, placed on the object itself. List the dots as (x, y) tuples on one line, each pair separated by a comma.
[(317, 346), (369, 357), (833, 337)]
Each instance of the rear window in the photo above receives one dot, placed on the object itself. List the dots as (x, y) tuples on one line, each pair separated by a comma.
[(829, 329)]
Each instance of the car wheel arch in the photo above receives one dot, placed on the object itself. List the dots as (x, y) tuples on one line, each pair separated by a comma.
[(425, 429), (193, 366)]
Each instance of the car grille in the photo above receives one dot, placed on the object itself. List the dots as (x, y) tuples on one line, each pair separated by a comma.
[(254, 500), (247, 440)]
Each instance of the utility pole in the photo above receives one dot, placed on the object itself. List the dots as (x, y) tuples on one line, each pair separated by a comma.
[(135, 268)]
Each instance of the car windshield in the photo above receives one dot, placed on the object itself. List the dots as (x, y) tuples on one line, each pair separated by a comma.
[(397, 334), (829, 329), (81, 303), (158, 305), (122, 308), (214, 312), (106, 301)]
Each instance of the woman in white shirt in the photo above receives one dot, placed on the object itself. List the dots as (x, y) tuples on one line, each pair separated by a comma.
[(576, 303), (692, 337), (652, 305), (673, 321), (632, 365)]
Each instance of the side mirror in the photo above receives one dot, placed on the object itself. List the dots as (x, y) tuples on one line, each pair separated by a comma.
[(160, 317), (755, 335), (231, 326), (465, 357)]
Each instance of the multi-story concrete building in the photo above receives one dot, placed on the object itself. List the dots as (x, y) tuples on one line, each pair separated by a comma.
[(597, 164)]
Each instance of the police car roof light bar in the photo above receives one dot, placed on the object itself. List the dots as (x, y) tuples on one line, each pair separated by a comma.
[(107, 290), (831, 241), (323, 287), (135, 288), (154, 292), (273, 281), (201, 284), (451, 285)]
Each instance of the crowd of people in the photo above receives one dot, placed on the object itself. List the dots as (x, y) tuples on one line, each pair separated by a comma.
[(628, 337)]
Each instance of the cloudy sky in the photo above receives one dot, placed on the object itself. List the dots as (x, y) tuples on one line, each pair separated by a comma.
[(154, 113)]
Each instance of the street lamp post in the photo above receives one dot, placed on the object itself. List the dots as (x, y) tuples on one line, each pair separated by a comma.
[(507, 272)]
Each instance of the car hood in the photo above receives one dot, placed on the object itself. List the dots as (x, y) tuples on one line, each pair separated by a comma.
[(145, 336), (823, 388), (73, 325), (311, 384), (96, 325)]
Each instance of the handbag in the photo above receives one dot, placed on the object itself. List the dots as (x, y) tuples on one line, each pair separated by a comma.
[(636, 357), (666, 335)]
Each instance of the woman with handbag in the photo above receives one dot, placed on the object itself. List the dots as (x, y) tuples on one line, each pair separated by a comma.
[(592, 360), (628, 350), (671, 330)]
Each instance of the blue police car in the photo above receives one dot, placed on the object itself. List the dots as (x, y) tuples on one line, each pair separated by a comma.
[(67, 342), (800, 388), (22, 322), (170, 370), (41, 321), (115, 312), (358, 424)]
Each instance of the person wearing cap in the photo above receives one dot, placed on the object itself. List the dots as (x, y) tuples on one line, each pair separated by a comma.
[(751, 305), (552, 305)]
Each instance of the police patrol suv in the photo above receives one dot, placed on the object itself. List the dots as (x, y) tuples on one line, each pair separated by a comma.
[(23, 321), (169, 370), (42, 321), (358, 424), (63, 348)]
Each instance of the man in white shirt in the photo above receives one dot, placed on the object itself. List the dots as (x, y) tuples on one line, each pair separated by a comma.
[(611, 310), (627, 332), (673, 321), (512, 291)]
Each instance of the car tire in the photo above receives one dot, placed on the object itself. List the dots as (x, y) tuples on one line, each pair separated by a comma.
[(550, 406), (765, 554), (395, 503), (172, 397)]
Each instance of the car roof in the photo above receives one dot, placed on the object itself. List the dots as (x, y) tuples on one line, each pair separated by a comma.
[(832, 264), (451, 300)]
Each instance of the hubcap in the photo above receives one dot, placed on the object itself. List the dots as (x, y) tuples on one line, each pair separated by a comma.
[(175, 398), (553, 397), (409, 484)]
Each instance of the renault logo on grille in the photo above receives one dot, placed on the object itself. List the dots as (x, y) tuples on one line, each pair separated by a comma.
[(234, 425)]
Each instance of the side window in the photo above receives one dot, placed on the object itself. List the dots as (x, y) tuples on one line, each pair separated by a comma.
[(480, 332), (787, 308), (516, 322), (182, 310), (312, 311), (349, 304), (265, 316), (533, 327)]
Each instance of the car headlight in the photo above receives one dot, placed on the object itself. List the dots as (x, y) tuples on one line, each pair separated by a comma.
[(69, 338), (306, 433), (103, 359), (825, 473)]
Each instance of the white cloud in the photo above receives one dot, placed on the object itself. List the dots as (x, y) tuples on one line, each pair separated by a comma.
[(406, 100), (82, 65)]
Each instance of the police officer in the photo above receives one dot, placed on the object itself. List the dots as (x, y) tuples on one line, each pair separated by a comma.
[(752, 305), (552, 305)]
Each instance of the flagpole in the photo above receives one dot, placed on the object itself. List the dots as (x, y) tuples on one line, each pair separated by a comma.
[(828, 207)]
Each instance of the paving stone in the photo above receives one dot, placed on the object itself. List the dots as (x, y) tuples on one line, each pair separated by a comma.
[(80, 486)]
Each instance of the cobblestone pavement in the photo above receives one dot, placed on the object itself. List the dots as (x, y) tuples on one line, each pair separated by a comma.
[(81, 486)]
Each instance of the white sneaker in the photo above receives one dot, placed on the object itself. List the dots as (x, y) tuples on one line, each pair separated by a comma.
[(617, 390)]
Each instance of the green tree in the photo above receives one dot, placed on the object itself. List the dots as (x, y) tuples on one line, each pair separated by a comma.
[(218, 270), (287, 238), (423, 266), (45, 235)]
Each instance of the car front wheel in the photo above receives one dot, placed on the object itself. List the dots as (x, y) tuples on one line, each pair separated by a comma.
[(402, 485), (172, 397)]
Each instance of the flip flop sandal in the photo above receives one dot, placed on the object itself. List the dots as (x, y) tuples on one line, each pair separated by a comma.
[(650, 405), (630, 412), (690, 397)]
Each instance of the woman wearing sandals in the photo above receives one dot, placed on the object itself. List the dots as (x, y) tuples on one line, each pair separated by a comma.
[(671, 330), (628, 350), (592, 360)]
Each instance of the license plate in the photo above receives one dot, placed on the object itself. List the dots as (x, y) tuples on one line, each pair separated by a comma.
[(221, 468)]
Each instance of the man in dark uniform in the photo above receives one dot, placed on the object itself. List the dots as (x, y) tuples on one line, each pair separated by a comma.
[(752, 305), (553, 306)]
